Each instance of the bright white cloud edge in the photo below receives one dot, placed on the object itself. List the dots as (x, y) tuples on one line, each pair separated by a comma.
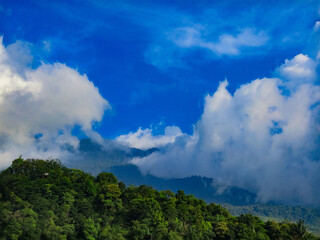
[(47, 101), (145, 139)]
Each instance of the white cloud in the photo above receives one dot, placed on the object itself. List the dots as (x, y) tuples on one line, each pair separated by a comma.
[(170, 49), (316, 26), (188, 37), (259, 138), (145, 139), (301, 69), (49, 100)]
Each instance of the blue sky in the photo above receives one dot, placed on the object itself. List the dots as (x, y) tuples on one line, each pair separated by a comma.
[(127, 51), (227, 89)]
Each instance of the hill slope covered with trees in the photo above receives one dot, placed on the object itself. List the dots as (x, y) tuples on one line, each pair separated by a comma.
[(279, 213), (45, 200)]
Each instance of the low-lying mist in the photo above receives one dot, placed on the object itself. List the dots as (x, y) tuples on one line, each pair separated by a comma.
[(264, 137)]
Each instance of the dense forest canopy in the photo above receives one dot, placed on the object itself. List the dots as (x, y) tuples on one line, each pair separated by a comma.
[(45, 200)]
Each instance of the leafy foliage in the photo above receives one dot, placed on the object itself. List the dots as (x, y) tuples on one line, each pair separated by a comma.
[(45, 200), (279, 213)]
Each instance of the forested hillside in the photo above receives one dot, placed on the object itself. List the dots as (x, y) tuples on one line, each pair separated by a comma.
[(110, 156), (45, 200), (278, 213)]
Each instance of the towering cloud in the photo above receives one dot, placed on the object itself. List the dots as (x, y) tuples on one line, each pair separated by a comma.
[(40, 106), (264, 137)]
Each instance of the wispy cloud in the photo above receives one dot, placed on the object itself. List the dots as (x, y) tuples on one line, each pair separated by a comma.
[(221, 30), (227, 44), (172, 32), (316, 26)]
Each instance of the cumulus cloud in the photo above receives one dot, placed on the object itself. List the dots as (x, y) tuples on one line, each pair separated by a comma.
[(40, 106), (145, 139), (301, 69), (264, 137)]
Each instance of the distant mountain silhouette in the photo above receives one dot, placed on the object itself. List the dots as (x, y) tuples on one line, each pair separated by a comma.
[(110, 156), (201, 187), (94, 157)]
